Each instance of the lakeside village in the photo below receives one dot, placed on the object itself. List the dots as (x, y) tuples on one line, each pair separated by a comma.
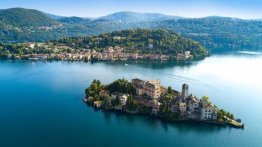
[(150, 98), (68, 53)]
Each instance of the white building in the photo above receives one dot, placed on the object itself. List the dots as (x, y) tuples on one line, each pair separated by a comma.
[(32, 45), (208, 111), (123, 98), (187, 54)]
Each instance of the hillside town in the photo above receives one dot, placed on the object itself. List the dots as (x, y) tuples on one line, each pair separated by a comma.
[(49, 51), (149, 97)]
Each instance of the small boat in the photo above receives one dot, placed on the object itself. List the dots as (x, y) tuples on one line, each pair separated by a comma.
[(126, 64), (33, 58)]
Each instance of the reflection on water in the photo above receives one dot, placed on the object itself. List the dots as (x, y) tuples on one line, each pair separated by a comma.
[(153, 64), (132, 120), (153, 123)]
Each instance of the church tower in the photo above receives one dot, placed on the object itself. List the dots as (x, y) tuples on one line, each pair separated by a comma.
[(185, 91)]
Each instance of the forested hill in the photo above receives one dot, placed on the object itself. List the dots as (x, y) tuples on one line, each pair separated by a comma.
[(139, 41), (219, 33), (214, 33), (19, 17)]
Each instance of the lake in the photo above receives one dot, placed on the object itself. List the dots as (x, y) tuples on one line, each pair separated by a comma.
[(41, 103)]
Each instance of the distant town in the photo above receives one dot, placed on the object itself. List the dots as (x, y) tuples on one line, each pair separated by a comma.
[(67, 53), (150, 98), (138, 44)]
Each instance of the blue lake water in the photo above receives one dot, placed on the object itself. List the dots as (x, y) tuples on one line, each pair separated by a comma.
[(41, 103)]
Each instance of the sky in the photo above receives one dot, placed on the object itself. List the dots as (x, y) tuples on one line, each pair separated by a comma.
[(246, 9)]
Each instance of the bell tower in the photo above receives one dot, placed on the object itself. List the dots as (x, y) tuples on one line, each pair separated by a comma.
[(184, 91)]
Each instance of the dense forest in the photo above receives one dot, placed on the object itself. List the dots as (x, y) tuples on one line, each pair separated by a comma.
[(138, 41), (219, 33)]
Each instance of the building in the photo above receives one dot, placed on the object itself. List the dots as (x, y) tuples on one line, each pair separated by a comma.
[(139, 85), (187, 54), (193, 104), (113, 96), (104, 93), (32, 45), (123, 98), (184, 94), (208, 111), (108, 50), (182, 108), (150, 88), (116, 37), (156, 107), (98, 104), (134, 56)]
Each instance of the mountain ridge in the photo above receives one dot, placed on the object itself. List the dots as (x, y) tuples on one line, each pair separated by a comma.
[(214, 32), (132, 17), (25, 17), (55, 16)]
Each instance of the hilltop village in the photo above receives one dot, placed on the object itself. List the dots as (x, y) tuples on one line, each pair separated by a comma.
[(150, 98)]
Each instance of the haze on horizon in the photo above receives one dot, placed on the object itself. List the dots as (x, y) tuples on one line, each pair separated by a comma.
[(245, 9)]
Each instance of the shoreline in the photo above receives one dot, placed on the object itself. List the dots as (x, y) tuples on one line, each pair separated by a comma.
[(108, 60), (125, 112), (125, 62)]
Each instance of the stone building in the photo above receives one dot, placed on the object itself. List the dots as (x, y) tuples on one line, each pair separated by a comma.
[(184, 94), (150, 88)]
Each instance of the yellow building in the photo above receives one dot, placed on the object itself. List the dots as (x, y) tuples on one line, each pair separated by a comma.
[(150, 88)]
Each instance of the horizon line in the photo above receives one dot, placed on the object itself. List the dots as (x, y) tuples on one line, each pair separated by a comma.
[(93, 17)]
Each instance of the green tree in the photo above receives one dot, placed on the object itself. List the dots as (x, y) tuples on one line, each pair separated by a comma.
[(206, 99), (169, 90), (117, 102), (107, 100)]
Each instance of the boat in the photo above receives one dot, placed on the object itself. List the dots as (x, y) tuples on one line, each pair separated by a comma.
[(33, 58)]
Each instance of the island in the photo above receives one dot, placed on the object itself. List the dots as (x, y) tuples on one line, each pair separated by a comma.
[(137, 44), (148, 97)]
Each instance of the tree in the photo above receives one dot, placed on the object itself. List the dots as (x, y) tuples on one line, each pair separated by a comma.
[(231, 116), (96, 97), (165, 108), (169, 90), (130, 99), (94, 87), (130, 102), (206, 99), (220, 114), (117, 102), (107, 100), (122, 86)]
